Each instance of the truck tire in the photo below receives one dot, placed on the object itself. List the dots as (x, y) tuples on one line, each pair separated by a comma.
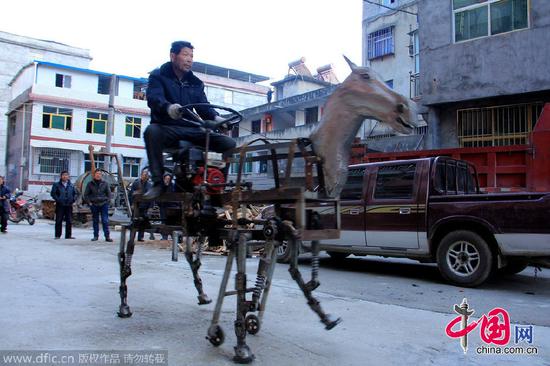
[(464, 258), (514, 266), (338, 256)]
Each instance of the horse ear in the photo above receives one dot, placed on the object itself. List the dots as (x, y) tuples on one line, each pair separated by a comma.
[(352, 66)]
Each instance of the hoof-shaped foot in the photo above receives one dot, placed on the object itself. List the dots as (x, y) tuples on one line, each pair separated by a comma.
[(204, 299), (124, 311), (243, 355), (312, 285), (329, 324)]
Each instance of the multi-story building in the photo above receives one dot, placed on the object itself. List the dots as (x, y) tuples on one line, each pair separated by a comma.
[(484, 69), (17, 51), (391, 50), (56, 111), (297, 107), (231, 88), (390, 42)]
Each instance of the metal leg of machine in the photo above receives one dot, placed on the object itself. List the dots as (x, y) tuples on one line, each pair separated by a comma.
[(272, 258), (243, 354), (215, 332), (125, 262), (307, 288), (195, 263)]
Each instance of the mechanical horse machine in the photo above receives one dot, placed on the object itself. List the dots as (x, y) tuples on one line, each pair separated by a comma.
[(202, 192)]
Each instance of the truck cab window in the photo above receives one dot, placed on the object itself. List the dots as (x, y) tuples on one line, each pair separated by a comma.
[(454, 177), (353, 189), (395, 182), (451, 177)]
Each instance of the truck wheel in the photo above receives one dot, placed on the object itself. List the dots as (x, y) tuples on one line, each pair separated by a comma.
[(283, 252), (514, 266), (338, 256), (464, 258)]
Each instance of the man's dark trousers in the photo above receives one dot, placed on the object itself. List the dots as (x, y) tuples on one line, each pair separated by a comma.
[(158, 136), (104, 211), (63, 213), (3, 219)]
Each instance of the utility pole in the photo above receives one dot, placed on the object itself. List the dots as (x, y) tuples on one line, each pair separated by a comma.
[(110, 118)]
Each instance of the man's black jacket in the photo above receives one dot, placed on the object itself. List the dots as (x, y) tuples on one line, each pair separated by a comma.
[(138, 186), (97, 193), (165, 88), (63, 196)]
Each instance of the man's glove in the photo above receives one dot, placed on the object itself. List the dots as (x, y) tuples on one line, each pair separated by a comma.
[(174, 111), (223, 126)]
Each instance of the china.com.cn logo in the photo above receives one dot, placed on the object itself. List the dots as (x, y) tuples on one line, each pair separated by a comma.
[(495, 329)]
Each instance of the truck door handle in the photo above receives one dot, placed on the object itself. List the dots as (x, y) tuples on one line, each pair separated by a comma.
[(404, 211)]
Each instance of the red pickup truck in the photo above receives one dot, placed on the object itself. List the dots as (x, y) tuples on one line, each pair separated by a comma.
[(432, 210)]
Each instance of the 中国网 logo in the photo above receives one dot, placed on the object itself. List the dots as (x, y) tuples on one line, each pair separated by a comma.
[(495, 331)]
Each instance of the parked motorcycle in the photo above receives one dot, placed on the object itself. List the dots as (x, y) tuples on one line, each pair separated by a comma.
[(21, 209)]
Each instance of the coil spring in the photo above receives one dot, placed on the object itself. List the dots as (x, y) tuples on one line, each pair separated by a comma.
[(260, 283), (315, 267)]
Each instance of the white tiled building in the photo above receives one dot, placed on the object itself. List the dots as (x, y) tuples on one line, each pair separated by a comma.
[(57, 111)]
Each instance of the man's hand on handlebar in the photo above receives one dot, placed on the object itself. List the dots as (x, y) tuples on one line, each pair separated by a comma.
[(175, 111)]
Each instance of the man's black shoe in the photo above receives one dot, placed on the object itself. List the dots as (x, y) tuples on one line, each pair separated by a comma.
[(109, 240), (154, 192)]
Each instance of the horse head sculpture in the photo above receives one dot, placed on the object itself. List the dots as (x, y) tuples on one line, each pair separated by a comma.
[(361, 96)]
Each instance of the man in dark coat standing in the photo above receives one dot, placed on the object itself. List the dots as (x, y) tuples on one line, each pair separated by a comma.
[(98, 196), (141, 186), (4, 206), (170, 87), (64, 194)]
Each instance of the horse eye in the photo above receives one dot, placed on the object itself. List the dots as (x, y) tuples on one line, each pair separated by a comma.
[(365, 76)]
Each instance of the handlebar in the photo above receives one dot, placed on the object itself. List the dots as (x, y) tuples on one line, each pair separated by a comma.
[(233, 118)]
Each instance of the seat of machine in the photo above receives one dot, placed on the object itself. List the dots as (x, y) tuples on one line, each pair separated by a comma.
[(182, 147)]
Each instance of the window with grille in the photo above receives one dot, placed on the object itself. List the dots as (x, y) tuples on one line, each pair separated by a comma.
[(133, 127), (99, 161), (58, 118), (380, 43), (96, 123), (62, 81), (497, 126), (234, 168), (130, 167), (53, 161), (480, 18)]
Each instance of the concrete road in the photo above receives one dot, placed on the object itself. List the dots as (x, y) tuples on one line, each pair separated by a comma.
[(63, 295)]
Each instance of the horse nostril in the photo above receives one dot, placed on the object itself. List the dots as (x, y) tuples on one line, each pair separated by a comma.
[(401, 108)]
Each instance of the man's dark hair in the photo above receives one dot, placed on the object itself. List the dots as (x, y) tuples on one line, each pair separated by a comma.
[(178, 45), (63, 172)]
